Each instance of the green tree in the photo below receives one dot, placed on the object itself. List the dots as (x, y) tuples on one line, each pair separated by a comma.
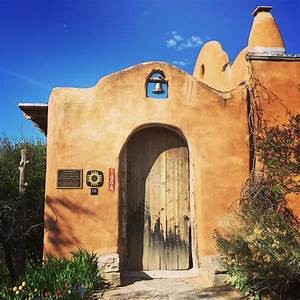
[(10, 204)]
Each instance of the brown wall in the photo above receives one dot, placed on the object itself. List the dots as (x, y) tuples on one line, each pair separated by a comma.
[(276, 87), (276, 84), (87, 129)]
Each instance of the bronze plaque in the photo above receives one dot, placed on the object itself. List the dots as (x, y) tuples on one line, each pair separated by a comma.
[(69, 179)]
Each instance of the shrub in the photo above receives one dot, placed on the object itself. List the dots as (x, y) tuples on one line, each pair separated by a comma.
[(58, 278), (261, 241), (262, 249)]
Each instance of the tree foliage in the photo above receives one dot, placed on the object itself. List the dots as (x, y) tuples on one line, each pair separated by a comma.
[(10, 203)]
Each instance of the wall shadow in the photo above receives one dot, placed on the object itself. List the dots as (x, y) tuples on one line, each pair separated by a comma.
[(61, 236), (140, 153)]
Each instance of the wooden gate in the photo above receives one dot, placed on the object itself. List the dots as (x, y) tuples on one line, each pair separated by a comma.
[(158, 224)]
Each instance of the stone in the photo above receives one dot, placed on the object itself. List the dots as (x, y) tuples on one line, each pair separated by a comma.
[(112, 279), (108, 266), (212, 264), (108, 263)]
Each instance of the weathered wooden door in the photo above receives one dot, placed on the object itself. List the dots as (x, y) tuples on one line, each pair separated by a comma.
[(158, 224)]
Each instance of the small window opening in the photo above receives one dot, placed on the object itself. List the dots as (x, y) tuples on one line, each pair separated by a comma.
[(157, 85), (202, 70), (225, 67)]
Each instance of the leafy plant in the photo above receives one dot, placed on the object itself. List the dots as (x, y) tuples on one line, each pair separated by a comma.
[(58, 278)]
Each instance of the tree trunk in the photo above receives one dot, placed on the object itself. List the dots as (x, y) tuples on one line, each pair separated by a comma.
[(21, 217)]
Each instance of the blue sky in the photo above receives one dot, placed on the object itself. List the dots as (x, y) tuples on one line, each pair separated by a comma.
[(51, 43)]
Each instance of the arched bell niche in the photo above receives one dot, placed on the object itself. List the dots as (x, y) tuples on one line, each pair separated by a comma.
[(157, 85)]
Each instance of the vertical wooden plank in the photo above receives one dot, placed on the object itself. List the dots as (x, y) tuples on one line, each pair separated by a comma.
[(184, 219), (162, 212), (172, 200), (169, 212), (147, 228), (148, 238), (171, 217), (148, 249), (151, 201)]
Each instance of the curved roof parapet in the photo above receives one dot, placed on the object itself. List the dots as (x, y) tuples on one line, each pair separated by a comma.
[(265, 36), (157, 65), (37, 113), (212, 66), (239, 71)]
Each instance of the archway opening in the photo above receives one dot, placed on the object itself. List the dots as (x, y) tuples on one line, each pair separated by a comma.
[(155, 227)]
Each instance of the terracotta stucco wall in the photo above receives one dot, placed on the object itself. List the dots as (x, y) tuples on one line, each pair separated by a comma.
[(87, 129), (276, 84), (276, 88)]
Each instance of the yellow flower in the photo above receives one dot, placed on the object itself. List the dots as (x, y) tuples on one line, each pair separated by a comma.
[(275, 244), (23, 283), (257, 231), (35, 290), (17, 292), (20, 288), (15, 288)]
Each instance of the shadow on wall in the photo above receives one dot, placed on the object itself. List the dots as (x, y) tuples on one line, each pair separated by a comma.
[(59, 232), (137, 159)]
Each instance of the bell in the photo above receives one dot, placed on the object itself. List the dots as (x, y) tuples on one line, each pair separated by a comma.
[(158, 89)]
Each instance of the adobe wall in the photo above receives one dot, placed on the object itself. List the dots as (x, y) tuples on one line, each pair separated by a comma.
[(87, 129), (275, 87)]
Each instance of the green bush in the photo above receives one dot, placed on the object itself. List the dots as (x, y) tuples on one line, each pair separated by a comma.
[(261, 239), (58, 278)]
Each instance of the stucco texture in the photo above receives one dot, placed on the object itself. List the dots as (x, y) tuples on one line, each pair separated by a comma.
[(265, 32), (275, 86)]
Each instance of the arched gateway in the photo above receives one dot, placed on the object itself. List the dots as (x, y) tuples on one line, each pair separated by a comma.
[(156, 227)]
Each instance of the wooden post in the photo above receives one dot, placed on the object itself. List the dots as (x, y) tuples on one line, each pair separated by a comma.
[(21, 215), (22, 178)]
